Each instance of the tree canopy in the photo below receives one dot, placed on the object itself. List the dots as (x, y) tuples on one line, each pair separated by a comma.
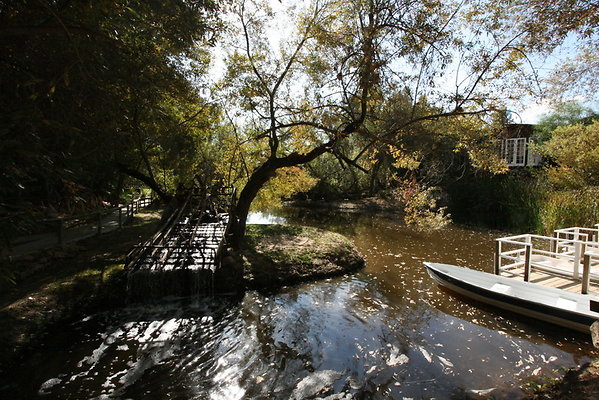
[(548, 25), (362, 94), (566, 113), (92, 88), (361, 72), (575, 149)]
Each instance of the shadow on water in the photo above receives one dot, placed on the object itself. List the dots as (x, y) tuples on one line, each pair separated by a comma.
[(384, 332)]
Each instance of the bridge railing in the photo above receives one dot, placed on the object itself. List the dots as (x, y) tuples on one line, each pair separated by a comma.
[(125, 213), (230, 223), (148, 248), (199, 203)]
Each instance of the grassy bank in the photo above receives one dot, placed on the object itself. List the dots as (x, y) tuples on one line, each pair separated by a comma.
[(276, 255), (59, 285)]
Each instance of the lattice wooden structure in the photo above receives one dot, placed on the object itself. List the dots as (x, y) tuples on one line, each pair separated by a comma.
[(181, 258)]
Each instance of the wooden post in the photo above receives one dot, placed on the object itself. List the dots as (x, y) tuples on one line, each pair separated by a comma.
[(586, 273), (578, 252), (60, 232), (553, 244), (527, 262), (99, 222), (497, 259), (120, 217)]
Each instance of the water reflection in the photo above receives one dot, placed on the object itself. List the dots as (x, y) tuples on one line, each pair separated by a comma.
[(385, 332), (261, 218)]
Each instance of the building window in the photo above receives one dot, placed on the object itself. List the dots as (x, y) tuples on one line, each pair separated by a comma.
[(517, 153)]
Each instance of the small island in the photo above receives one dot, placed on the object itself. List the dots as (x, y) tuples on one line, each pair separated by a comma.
[(276, 255)]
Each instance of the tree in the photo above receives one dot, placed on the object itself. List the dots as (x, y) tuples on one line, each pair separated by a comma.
[(329, 81), (91, 90), (547, 25), (566, 113), (548, 22), (575, 149)]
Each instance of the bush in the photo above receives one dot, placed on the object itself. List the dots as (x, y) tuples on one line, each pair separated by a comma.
[(422, 207)]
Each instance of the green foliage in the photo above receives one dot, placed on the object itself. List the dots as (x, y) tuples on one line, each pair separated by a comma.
[(565, 113), (91, 89), (509, 201), (574, 198), (89, 86), (421, 207), (286, 183), (547, 24), (577, 76), (435, 152), (522, 201), (569, 207), (575, 149)]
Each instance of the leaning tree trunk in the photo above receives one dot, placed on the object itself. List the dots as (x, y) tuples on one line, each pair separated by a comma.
[(257, 180)]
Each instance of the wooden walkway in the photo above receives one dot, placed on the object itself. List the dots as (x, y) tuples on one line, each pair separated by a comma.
[(182, 257), (61, 231)]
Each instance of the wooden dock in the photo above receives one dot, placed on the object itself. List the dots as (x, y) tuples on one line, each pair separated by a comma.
[(555, 281), (568, 260)]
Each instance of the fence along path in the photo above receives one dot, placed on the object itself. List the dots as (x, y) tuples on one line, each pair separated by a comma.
[(182, 257), (60, 231)]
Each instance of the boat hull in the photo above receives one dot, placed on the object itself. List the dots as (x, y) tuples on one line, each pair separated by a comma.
[(450, 277)]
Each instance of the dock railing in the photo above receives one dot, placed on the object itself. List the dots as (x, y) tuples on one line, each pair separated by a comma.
[(578, 233), (562, 254)]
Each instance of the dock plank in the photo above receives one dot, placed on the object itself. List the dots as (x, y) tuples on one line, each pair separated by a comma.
[(555, 281)]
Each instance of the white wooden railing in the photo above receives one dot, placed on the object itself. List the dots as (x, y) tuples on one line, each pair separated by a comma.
[(564, 254)]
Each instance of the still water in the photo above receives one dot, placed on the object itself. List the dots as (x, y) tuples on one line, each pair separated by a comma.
[(386, 332)]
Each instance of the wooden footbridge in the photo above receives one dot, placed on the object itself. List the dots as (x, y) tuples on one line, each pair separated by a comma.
[(182, 258)]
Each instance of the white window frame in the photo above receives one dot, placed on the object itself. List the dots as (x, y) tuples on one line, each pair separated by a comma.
[(517, 153)]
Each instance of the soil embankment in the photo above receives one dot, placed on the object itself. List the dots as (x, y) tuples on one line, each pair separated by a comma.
[(577, 384)]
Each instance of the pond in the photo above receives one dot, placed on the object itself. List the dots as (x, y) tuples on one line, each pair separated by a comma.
[(386, 332)]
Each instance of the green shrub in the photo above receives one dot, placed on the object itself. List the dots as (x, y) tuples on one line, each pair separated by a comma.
[(508, 201)]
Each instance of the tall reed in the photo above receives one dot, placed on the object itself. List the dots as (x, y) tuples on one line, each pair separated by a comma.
[(569, 207)]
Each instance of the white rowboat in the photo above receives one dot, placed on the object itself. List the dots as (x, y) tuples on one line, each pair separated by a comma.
[(557, 306)]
